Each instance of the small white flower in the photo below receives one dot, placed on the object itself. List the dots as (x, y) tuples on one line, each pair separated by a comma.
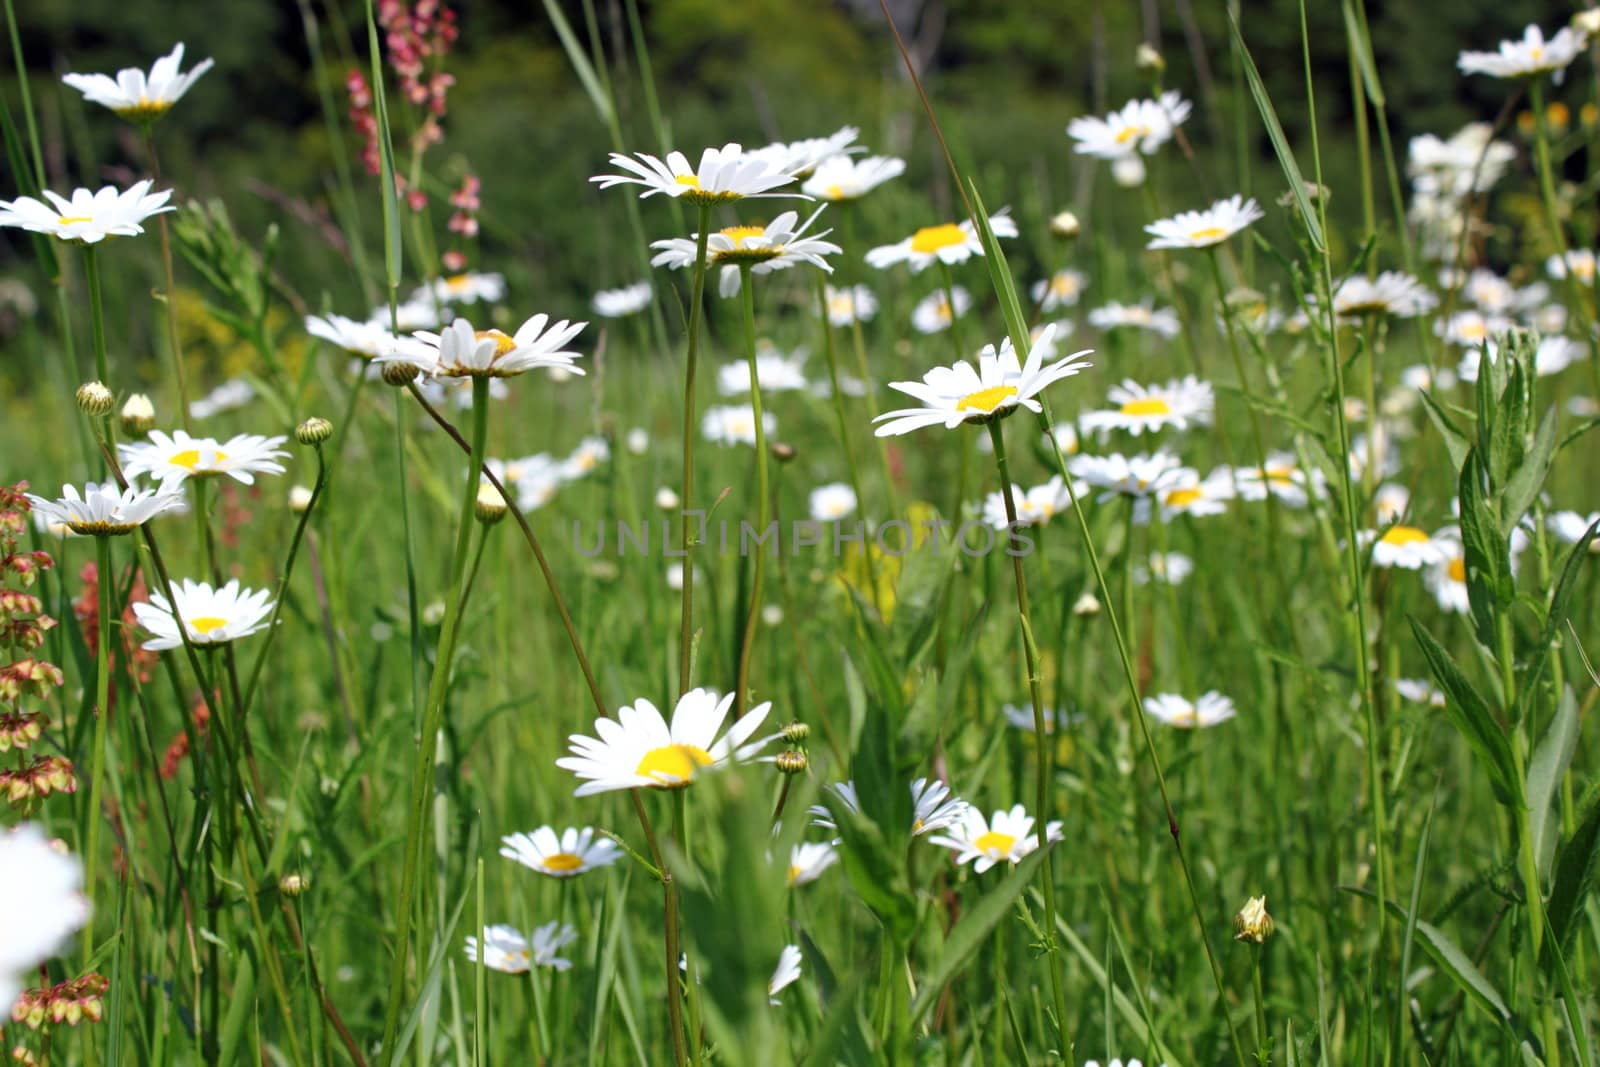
[(735, 424), (212, 616), (1404, 546), (1171, 568), (1389, 503), (365, 339), (850, 305), (590, 453), (832, 502), (1021, 717), (801, 158), (41, 906), (135, 95), (1471, 328), (89, 217), (949, 243), (229, 396), (723, 175), (1419, 691), (1531, 55), (786, 975), (1179, 403), (934, 807), (1390, 293), (577, 850), (462, 352), (840, 178), (638, 440), (1143, 315), (1579, 262), (1184, 492), (775, 373), (1174, 710), (779, 245), (1061, 289), (1552, 355), (807, 861), (1135, 476), (1571, 525), (105, 510), (1202, 229), (1446, 577), (933, 313), (1034, 507), (628, 300), (176, 458), (505, 949), (1281, 477), (1139, 126), (1006, 837)]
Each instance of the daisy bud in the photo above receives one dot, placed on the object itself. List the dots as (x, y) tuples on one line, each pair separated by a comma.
[(313, 431), (293, 884), (790, 762), (433, 613), (1147, 59), (795, 733), (1086, 605), (666, 499), (772, 615), (1128, 172), (783, 453), (491, 506), (638, 440), (1314, 192), (138, 415), (1065, 225), (95, 400), (1587, 22), (299, 500), (399, 374), (1253, 923)]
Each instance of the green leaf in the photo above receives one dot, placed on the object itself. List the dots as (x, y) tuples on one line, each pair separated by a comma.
[(1472, 717), (1456, 443), (580, 62), (919, 596), (1000, 277), (867, 858), (1574, 870), (1486, 551), (1508, 435), (1527, 477), (1549, 763), (973, 929), (391, 202), (837, 1028), (241, 1009), (1556, 614), (1280, 143)]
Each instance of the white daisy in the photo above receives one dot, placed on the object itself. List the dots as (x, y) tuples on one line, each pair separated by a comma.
[(175, 458), (88, 216), (105, 510), (933, 806), (462, 352), (1061, 289), (807, 861), (832, 502), (1179, 403), (787, 974), (949, 243), (1552, 355), (1135, 476), (639, 750), (1531, 55), (839, 178), (505, 949), (850, 305), (576, 851), (229, 396), (801, 158), (995, 388), (1570, 526), (735, 424), (41, 906), (365, 339), (618, 303), (1578, 262), (1391, 293), (1184, 492), (1390, 502), (211, 616), (590, 453), (1143, 315), (1007, 837), (1403, 546), (779, 245), (1202, 229), (1171, 568), (932, 313), (1034, 507), (1281, 477), (1175, 710), (135, 95), (775, 373), (469, 287), (1452, 169), (1139, 126), (419, 311), (723, 175), (1488, 292), (1446, 577), (1471, 328), (1419, 691), (1021, 717)]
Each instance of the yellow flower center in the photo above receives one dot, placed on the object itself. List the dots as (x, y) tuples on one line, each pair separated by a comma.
[(672, 765), (1584, 268), (688, 179), (1474, 330), (842, 305), (563, 862), (1280, 475), (794, 875), (1182, 498), (1064, 285), (986, 400), (458, 282), (1405, 535), (1147, 405), (931, 239), (502, 341), (740, 234), (190, 458), (834, 192), (1208, 233), (68, 220), (1457, 570), (994, 842), (1128, 133), (206, 623)]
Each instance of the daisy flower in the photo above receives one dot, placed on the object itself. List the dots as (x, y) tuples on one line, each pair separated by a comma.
[(590, 453), (1470, 328), (735, 424), (576, 851), (1202, 229), (1034, 507), (1404, 546), (1143, 315), (1531, 55), (1135, 476), (723, 175), (850, 305), (1175, 710), (1552, 355), (995, 388), (462, 352), (801, 158), (1061, 289), (1570, 527), (949, 243), (1449, 168), (89, 217), (1116, 1063), (619, 303), (367, 340), (779, 245), (229, 396), (775, 373), (1171, 568), (832, 502), (1007, 837), (1281, 477), (211, 616), (808, 861), (934, 807), (174, 458), (787, 974), (1488, 292), (135, 95), (1578, 262), (39, 910), (1184, 492), (1138, 126), (468, 287), (1390, 502), (639, 750), (505, 949), (1419, 691), (105, 510), (1021, 717), (933, 312), (418, 312), (1446, 577), (1179, 403), (1391, 293), (840, 178)]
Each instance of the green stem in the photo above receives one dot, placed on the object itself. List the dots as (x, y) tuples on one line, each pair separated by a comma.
[(690, 431), (169, 294), (102, 705), (747, 300), (669, 889)]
